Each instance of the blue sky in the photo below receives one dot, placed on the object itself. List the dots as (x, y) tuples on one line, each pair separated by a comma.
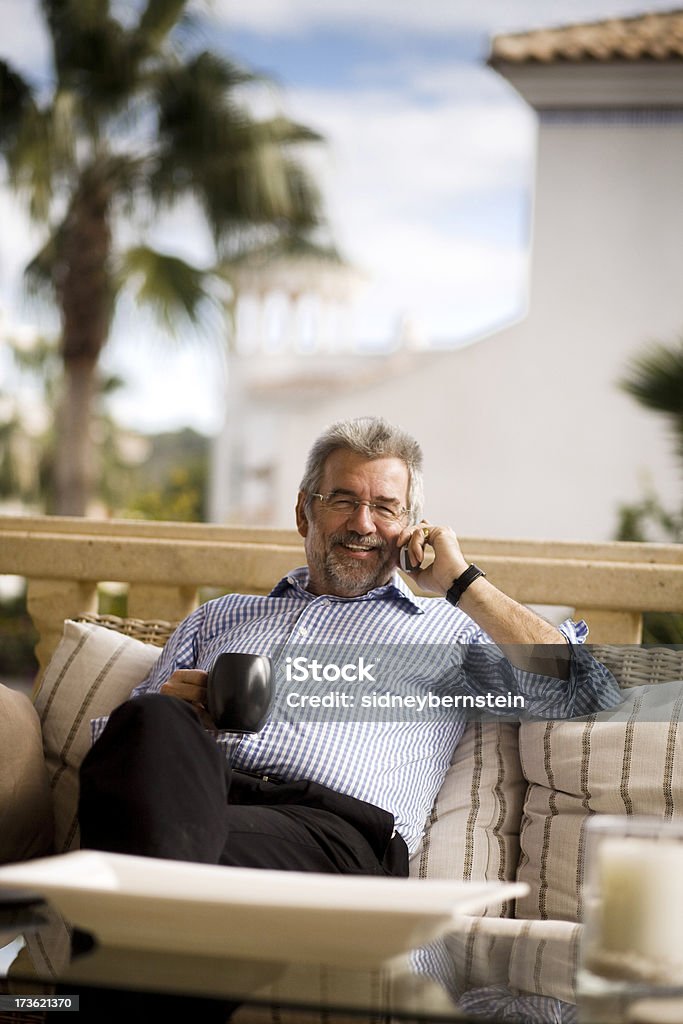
[(427, 169)]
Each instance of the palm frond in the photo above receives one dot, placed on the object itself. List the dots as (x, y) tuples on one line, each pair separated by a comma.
[(287, 133), (237, 168), (158, 19), (72, 23), (172, 288), (40, 273), (26, 142), (195, 108), (34, 159), (121, 174), (655, 379), (16, 99), (95, 57), (203, 77)]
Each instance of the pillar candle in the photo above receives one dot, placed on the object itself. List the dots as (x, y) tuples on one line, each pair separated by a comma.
[(640, 898)]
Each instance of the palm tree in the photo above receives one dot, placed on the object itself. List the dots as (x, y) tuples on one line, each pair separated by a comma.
[(136, 120), (655, 380), (27, 430)]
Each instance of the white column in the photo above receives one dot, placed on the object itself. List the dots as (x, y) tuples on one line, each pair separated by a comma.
[(225, 479)]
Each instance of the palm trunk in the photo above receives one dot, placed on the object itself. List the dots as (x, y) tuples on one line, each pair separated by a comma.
[(84, 290), (73, 465)]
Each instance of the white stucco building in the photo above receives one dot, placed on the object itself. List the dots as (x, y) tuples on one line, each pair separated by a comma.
[(525, 431)]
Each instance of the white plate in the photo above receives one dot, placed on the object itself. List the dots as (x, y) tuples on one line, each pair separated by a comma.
[(296, 916)]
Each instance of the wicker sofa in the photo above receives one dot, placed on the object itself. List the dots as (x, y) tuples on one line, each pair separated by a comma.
[(513, 806)]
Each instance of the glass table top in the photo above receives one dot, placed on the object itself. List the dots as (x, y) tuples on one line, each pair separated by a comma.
[(446, 980)]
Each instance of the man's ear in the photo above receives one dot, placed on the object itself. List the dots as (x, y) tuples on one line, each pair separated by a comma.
[(301, 518)]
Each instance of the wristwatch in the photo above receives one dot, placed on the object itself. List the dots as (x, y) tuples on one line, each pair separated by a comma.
[(462, 582)]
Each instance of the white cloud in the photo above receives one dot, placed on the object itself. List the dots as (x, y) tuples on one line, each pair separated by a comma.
[(396, 175), (399, 172), (387, 156), (24, 42), (445, 283)]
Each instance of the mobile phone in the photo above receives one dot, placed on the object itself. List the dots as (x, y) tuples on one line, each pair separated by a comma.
[(404, 560)]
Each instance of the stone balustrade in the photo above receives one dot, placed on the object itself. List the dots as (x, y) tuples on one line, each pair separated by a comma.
[(164, 567)]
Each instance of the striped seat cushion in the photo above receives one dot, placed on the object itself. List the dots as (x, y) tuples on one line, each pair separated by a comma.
[(473, 830), (625, 761), (538, 957)]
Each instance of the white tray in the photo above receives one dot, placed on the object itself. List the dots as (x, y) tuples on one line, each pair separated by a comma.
[(295, 916)]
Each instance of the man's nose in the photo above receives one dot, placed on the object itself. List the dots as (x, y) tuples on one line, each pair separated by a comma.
[(361, 520)]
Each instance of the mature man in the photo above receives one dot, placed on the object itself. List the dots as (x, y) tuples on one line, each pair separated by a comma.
[(335, 794)]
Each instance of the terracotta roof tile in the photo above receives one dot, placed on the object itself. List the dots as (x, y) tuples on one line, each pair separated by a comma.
[(646, 37)]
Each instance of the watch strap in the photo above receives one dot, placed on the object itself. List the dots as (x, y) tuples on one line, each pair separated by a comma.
[(462, 582)]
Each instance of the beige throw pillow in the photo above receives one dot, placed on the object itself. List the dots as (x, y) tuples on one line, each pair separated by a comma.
[(92, 671), (628, 760), (25, 804)]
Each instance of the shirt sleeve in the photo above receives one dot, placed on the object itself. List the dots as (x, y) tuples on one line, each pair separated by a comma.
[(180, 651), (590, 687)]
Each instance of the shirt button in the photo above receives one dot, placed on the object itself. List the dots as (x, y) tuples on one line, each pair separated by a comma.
[(303, 631)]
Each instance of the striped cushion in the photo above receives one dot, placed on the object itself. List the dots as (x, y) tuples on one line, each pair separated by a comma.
[(537, 957), (473, 831), (628, 760), (92, 671)]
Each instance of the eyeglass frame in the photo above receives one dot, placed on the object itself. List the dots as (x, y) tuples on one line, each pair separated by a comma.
[(396, 517)]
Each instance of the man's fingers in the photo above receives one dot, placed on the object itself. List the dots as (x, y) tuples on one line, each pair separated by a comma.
[(414, 540), (418, 539), (192, 676), (187, 684)]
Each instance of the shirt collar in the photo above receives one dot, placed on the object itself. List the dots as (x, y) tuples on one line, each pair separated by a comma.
[(396, 589)]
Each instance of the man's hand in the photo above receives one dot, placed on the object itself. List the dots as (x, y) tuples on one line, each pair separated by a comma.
[(448, 562), (189, 684)]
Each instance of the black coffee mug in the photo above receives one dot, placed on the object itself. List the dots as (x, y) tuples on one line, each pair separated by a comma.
[(240, 691)]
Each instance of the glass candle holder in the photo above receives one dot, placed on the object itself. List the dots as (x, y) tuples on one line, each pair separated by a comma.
[(632, 947)]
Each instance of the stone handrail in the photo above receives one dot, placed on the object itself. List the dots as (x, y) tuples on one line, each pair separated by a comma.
[(164, 565)]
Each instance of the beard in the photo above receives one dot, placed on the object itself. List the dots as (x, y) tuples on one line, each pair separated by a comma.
[(346, 576)]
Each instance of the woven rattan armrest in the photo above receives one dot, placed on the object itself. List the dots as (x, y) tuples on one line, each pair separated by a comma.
[(633, 665), (150, 631)]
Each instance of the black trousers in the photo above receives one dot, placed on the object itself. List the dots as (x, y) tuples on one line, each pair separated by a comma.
[(156, 784)]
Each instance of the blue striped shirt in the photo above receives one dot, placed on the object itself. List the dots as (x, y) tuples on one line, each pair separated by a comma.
[(397, 764)]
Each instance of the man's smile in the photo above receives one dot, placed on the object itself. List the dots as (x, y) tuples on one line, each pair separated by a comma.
[(357, 548), (357, 551)]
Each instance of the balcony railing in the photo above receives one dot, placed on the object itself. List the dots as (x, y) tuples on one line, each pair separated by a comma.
[(163, 567)]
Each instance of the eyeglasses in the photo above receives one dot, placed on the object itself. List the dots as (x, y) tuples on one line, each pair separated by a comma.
[(346, 506)]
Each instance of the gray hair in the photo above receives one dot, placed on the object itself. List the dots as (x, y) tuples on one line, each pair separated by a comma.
[(373, 438)]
